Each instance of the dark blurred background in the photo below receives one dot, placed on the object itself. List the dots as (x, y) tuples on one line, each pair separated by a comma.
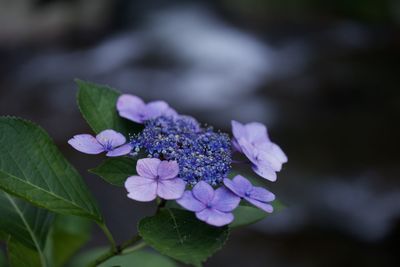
[(323, 75)]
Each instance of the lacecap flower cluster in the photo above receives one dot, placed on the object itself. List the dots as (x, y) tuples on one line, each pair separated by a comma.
[(181, 160)]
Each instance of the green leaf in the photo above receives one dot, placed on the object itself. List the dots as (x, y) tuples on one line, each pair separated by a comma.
[(180, 235), (278, 206), (31, 167), (68, 235), (116, 170), (247, 214), (137, 258), (140, 258), (97, 104), (22, 256), (23, 222)]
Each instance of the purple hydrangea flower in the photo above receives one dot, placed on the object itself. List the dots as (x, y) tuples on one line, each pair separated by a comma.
[(252, 140), (133, 108), (108, 141), (212, 207), (156, 178), (257, 196)]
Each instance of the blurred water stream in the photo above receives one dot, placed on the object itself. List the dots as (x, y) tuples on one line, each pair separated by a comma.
[(327, 90)]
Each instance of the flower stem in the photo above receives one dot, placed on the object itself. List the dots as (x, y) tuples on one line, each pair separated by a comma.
[(134, 248), (109, 236), (161, 204), (109, 254), (130, 242), (119, 250), (126, 247)]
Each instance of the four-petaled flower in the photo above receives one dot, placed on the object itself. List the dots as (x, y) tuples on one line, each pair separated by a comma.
[(156, 178), (252, 140), (212, 207), (108, 141), (257, 196), (133, 108)]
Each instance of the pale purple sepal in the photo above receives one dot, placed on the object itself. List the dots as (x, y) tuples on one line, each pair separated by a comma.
[(120, 151), (212, 207), (135, 109), (258, 196), (262, 163), (155, 178), (108, 141), (159, 108), (131, 107), (86, 143), (252, 140)]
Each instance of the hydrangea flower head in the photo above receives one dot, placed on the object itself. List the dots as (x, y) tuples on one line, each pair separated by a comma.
[(108, 141), (178, 153)]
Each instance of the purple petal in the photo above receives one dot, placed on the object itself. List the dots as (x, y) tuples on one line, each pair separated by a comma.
[(264, 206), (231, 186), (256, 133), (278, 153), (189, 202), (261, 194), (224, 200), (170, 112), (110, 138), (141, 188), (86, 143), (168, 169), (156, 108), (203, 192), (171, 188), (239, 185), (248, 150), (242, 182), (259, 157), (148, 167), (131, 107), (260, 165), (120, 151), (267, 158), (272, 153), (215, 217), (265, 172), (238, 130), (252, 139)]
